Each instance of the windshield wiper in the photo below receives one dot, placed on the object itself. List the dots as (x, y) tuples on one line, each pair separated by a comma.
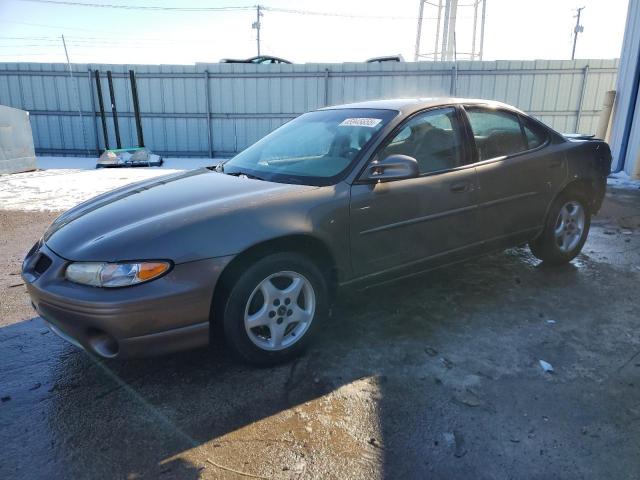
[(245, 174), (219, 168)]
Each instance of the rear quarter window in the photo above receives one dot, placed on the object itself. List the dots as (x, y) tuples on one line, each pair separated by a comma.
[(497, 133), (534, 134)]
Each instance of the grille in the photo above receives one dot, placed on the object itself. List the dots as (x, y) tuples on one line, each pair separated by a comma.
[(42, 264)]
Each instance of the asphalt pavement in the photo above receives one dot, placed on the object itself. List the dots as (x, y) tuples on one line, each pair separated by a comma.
[(437, 376)]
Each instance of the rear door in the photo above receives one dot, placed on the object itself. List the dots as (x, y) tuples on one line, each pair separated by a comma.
[(403, 222), (517, 173)]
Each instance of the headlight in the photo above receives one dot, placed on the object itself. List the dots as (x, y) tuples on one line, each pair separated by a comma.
[(115, 274)]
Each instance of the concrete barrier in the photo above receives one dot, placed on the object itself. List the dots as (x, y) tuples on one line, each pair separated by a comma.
[(16, 141)]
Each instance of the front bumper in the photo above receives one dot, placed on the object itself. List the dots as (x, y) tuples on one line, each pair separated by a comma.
[(164, 315)]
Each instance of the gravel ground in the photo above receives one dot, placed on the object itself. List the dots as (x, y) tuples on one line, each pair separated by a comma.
[(18, 232), (433, 377)]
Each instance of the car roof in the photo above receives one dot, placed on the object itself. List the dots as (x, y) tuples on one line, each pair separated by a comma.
[(408, 105), (251, 59), (386, 58)]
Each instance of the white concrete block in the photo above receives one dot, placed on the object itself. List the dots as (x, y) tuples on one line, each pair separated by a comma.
[(17, 153)]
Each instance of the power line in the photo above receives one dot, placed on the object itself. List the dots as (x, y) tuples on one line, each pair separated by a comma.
[(141, 7), (349, 15), (57, 27), (91, 41), (224, 9), (334, 14), (128, 41), (39, 54), (28, 45), (84, 42), (85, 46), (27, 38)]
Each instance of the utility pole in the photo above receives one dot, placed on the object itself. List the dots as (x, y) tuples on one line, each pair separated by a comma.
[(419, 32), (74, 81), (576, 30), (484, 11), (256, 25)]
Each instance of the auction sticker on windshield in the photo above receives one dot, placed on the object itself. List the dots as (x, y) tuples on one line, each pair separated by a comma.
[(360, 122)]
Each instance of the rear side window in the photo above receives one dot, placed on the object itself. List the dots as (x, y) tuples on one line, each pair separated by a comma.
[(497, 133), (534, 134)]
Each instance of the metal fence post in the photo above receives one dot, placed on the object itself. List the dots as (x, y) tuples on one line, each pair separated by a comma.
[(452, 87), (114, 110), (93, 111), (235, 136), (326, 87), (582, 92), (206, 91)]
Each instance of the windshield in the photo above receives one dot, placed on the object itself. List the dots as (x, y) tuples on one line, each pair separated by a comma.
[(314, 149)]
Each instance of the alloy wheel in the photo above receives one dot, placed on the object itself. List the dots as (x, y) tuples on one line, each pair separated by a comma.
[(280, 310), (569, 226)]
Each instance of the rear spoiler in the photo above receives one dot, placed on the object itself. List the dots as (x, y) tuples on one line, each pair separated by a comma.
[(579, 136)]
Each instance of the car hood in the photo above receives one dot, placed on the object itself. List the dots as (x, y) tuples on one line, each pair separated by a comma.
[(161, 218)]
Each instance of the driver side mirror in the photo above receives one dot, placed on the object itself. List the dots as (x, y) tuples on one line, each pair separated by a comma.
[(394, 167)]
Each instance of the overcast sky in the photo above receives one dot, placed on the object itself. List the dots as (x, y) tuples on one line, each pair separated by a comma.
[(515, 29)]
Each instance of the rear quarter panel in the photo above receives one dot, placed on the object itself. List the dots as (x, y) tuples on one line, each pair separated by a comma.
[(589, 161)]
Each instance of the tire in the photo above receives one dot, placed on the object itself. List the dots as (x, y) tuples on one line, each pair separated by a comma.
[(565, 231), (284, 315)]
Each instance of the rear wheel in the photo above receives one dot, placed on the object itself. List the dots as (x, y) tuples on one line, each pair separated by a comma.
[(565, 231), (273, 308)]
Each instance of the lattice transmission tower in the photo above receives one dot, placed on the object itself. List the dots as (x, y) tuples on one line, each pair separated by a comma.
[(444, 29)]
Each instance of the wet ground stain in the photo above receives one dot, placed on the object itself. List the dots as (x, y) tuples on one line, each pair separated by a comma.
[(445, 383)]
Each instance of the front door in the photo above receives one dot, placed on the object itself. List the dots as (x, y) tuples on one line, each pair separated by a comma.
[(399, 223)]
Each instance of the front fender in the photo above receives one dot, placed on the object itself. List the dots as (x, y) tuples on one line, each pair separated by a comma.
[(203, 231)]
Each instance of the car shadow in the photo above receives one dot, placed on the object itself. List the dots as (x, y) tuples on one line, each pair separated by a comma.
[(442, 363)]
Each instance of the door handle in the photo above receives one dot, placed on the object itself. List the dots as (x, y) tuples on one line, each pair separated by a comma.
[(459, 187)]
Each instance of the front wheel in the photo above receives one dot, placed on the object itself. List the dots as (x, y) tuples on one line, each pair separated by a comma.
[(273, 308), (565, 230)]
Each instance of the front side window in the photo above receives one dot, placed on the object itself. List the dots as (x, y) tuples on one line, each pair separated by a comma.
[(432, 138), (314, 149), (497, 133)]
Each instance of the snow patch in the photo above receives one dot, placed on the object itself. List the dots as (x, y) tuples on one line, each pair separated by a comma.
[(67, 181), (89, 163), (622, 181)]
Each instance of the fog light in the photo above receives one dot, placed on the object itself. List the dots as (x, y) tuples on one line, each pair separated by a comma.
[(103, 344)]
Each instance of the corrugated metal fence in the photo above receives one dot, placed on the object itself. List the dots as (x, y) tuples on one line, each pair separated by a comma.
[(219, 109)]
